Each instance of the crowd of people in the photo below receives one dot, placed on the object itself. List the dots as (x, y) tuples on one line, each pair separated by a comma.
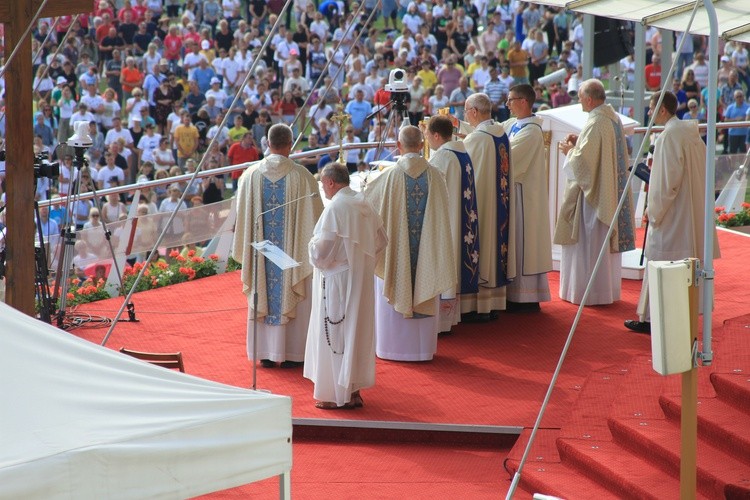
[(156, 79)]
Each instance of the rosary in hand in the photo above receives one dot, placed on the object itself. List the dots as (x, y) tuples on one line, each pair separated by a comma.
[(327, 320)]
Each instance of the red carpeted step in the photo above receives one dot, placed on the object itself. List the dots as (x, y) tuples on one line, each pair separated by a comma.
[(733, 389), (617, 469), (718, 423), (561, 481), (543, 472), (659, 441)]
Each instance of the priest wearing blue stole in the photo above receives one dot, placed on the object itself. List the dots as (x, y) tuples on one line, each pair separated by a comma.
[(418, 264), (452, 160), (489, 149), (533, 239), (283, 296)]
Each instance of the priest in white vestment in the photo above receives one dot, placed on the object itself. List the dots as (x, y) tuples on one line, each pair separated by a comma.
[(489, 149), (676, 197), (418, 264), (283, 296), (597, 170), (452, 160), (340, 352), (533, 241)]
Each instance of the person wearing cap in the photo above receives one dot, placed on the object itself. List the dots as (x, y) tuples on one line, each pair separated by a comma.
[(283, 312), (216, 92)]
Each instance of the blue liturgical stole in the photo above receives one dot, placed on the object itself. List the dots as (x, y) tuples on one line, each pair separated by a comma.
[(469, 248), (502, 179), (416, 204), (274, 194)]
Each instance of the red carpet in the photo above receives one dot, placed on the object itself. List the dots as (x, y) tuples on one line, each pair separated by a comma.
[(491, 374)]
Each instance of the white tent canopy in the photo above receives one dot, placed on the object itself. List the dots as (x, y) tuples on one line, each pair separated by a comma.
[(733, 15), (82, 421)]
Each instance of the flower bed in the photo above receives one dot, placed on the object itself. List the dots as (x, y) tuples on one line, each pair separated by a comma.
[(179, 269), (733, 220)]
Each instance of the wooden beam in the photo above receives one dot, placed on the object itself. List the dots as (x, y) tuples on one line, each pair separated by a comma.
[(53, 8), (19, 171)]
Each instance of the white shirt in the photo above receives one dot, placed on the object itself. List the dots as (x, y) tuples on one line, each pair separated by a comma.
[(147, 144)]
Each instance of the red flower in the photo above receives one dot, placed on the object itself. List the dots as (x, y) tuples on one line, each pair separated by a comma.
[(196, 260), (174, 253), (718, 210), (180, 258), (191, 253), (723, 218), (745, 205), (162, 265), (70, 296), (213, 257)]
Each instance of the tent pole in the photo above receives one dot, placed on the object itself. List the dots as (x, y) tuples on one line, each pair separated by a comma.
[(707, 354)]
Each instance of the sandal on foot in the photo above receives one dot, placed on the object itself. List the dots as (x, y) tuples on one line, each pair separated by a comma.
[(327, 405)]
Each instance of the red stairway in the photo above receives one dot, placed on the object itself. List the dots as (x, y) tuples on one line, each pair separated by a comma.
[(622, 438)]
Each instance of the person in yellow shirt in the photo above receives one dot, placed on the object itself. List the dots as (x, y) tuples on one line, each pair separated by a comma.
[(237, 132), (429, 79)]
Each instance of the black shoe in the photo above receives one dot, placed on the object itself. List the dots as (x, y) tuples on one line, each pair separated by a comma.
[(267, 363), (291, 364), (521, 307), (638, 326), (471, 317)]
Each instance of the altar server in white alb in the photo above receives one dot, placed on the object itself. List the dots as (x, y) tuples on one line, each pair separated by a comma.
[(532, 240), (418, 264), (340, 352), (676, 197), (489, 150), (283, 296), (452, 160), (597, 170)]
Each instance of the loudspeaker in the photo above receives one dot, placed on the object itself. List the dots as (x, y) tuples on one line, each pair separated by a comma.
[(612, 41), (671, 345)]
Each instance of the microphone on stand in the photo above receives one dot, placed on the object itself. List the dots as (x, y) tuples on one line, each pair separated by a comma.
[(309, 195), (255, 278)]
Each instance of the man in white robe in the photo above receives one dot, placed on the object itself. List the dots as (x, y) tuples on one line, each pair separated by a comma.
[(596, 166), (418, 264), (675, 204), (533, 241), (283, 296), (340, 352), (489, 149), (452, 160)]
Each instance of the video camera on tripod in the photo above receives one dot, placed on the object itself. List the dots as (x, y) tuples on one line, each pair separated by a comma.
[(399, 89), (45, 168)]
